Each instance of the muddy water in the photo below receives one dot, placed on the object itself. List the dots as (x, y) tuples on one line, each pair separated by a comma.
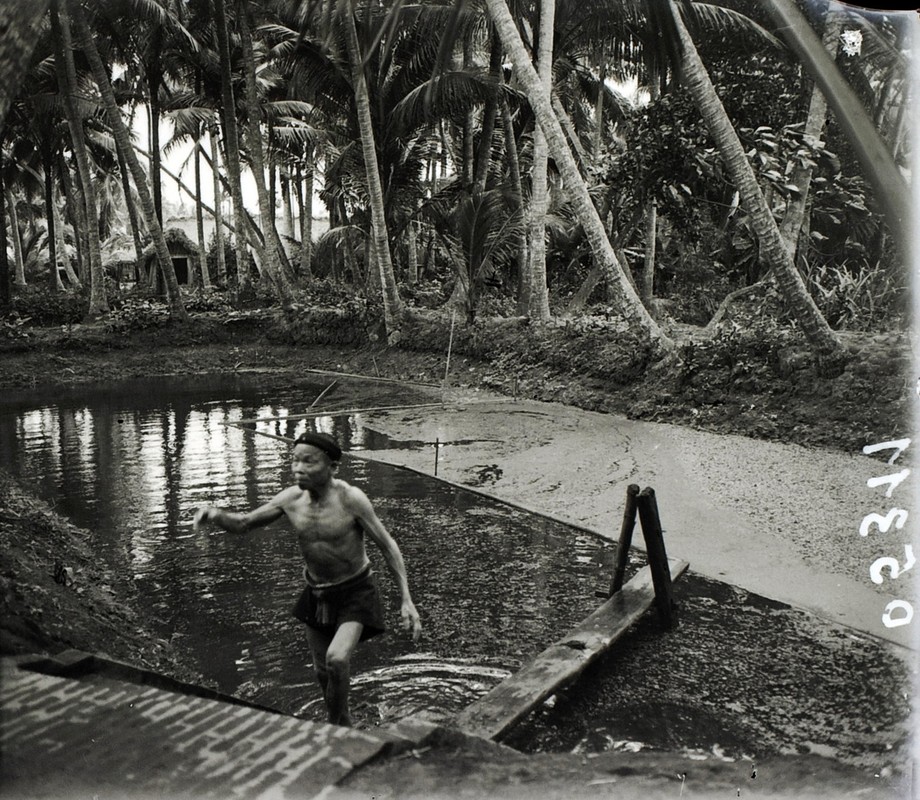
[(131, 464), (739, 676)]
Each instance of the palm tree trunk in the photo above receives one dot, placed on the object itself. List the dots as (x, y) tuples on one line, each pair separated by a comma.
[(647, 288), (123, 140), (489, 114), (539, 198), (392, 304), (16, 235), (67, 80), (218, 207), (412, 255), (232, 148), (54, 275), (773, 249), (514, 169), (133, 217), (77, 217), (279, 271), (199, 221), (154, 81), (6, 283), (598, 137), (62, 247), (571, 134), (627, 298), (305, 199)]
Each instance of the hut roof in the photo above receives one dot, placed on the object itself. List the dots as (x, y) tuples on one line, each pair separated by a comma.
[(178, 243), (118, 248)]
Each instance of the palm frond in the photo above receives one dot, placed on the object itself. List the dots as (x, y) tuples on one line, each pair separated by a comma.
[(456, 93), (710, 20)]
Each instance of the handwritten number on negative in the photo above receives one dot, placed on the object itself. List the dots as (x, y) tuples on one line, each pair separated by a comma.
[(898, 445), (875, 571), (896, 515)]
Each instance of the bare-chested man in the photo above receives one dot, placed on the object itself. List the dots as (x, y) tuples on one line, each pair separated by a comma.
[(341, 604)]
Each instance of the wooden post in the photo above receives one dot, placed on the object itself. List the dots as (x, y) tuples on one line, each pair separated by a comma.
[(626, 532), (657, 557)]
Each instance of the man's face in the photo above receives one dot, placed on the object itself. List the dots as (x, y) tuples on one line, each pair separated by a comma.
[(312, 468)]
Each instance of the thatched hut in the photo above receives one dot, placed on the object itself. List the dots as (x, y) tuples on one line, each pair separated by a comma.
[(184, 254), (119, 259)]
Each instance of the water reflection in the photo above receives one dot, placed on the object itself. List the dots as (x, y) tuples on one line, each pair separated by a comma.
[(493, 584)]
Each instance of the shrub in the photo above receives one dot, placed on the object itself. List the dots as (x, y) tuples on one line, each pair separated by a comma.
[(207, 301), (743, 354), (137, 314), (43, 308)]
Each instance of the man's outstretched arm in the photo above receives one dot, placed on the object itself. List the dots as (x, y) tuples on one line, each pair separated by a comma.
[(235, 522)]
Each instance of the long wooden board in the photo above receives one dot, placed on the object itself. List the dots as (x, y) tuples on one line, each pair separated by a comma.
[(514, 698)]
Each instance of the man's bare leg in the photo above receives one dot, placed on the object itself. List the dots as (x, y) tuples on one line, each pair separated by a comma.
[(338, 671), (319, 644)]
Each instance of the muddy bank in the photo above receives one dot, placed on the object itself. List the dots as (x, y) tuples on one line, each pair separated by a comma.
[(783, 395), (55, 594)]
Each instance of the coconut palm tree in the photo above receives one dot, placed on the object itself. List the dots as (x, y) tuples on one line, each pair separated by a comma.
[(773, 251), (541, 102), (67, 81), (275, 261), (232, 158), (123, 141)]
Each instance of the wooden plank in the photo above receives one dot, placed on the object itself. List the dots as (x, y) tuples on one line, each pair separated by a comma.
[(513, 699)]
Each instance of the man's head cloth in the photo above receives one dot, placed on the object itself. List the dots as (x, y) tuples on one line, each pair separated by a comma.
[(322, 441)]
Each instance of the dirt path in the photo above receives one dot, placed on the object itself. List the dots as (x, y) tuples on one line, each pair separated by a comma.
[(779, 520)]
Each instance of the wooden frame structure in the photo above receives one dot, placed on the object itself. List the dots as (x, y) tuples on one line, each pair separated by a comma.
[(513, 699)]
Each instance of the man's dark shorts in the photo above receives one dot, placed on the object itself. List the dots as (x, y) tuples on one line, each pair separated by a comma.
[(354, 600)]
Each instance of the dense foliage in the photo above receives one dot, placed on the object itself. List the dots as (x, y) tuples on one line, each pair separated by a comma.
[(453, 134)]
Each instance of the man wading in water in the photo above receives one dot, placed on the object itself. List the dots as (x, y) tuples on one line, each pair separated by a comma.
[(341, 604)]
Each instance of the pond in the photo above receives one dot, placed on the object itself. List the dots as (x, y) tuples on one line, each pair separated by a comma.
[(132, 462), (739, 676)]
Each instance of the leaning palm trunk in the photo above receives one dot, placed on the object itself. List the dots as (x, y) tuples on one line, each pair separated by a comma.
[(628, 300), (773, 250), (133, 219), (392, 304), (123, 141), (16, 236), (67, 80)]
